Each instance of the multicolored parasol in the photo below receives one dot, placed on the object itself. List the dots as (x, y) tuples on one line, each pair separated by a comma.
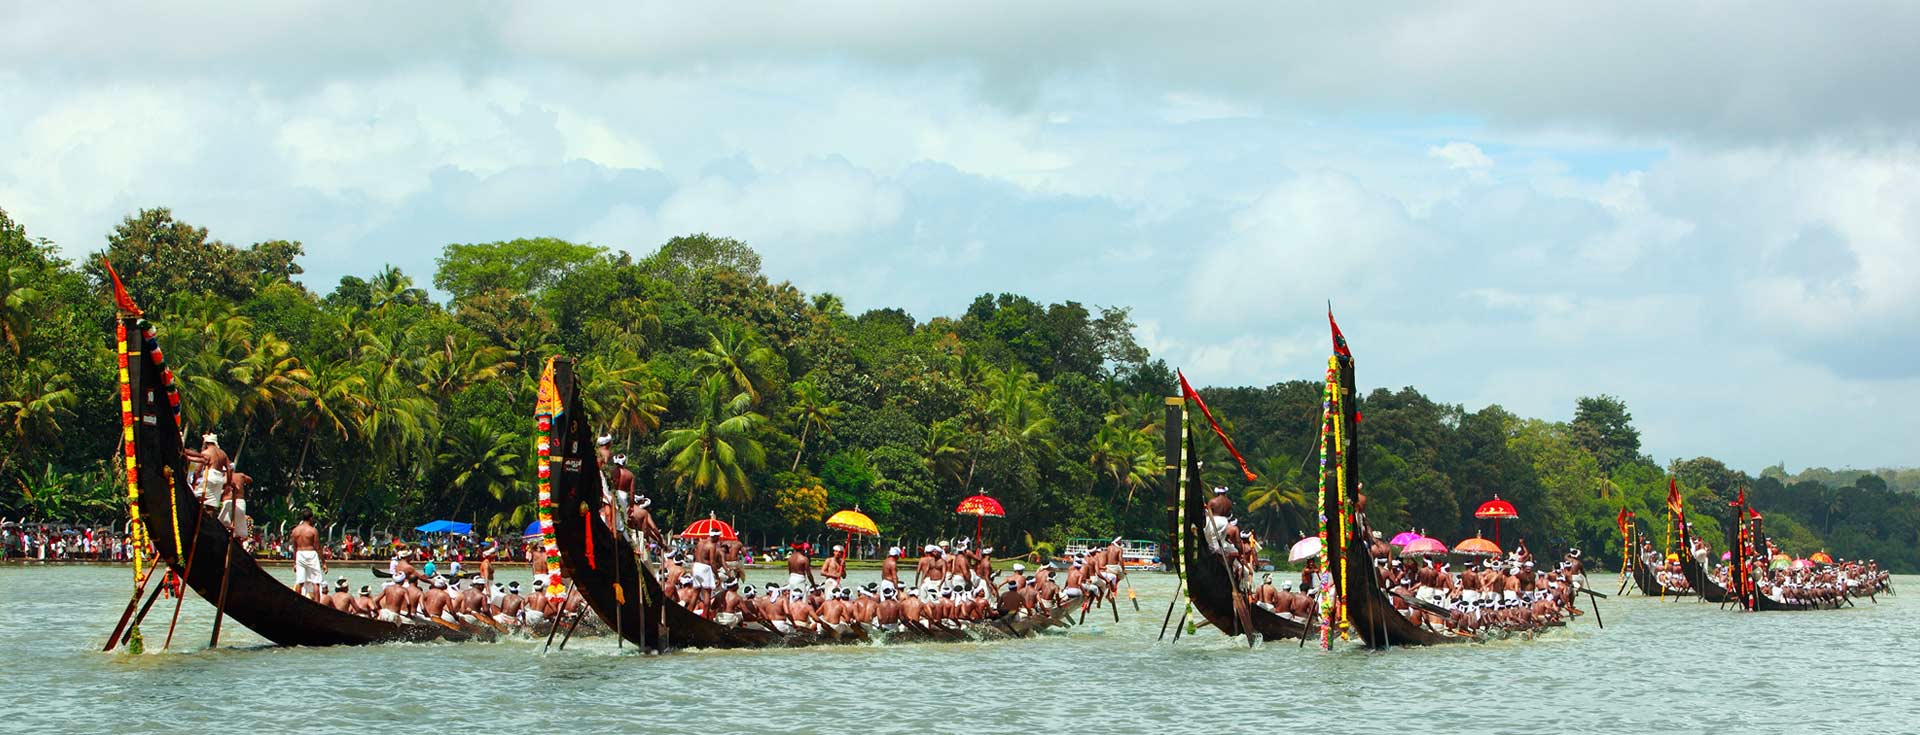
[(980, 507), (1477, 546), (853, 522), (1496, 509), (703, 527), (1424, 546)]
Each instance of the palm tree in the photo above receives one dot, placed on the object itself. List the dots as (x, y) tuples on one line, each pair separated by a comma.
[(735, 353), (31, 406), (266, 381), (484, 459), (622, 389), (813, 410), (1280, 493), (942, 453), (390, 286), (458, 363), (334, 402), (18, 304), (715, 451), (207, 351)]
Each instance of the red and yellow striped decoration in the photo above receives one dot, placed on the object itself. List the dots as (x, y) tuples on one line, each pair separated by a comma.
[(138, 532), (546, 404)]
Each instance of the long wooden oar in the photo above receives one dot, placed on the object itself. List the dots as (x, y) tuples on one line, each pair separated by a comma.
[(193, 550), (220, 604), (142, 615), (1313, 614), (1177, 589), (139, 586), (557, 616), (1592, 597), (1131, 597)]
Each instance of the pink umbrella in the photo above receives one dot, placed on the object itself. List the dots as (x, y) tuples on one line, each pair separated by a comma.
[(1726, 556), (1306, 548), (1404, 538), (1424, 546)]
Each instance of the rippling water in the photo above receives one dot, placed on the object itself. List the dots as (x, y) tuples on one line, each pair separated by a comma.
[(1683, 667)]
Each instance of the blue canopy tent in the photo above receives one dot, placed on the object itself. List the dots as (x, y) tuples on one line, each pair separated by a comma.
[(533, 529), (445, 527)]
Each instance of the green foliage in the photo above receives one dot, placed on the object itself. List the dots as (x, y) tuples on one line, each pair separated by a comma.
[(376, 404)]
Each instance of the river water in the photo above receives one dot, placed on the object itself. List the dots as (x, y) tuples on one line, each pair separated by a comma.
[(1668, 667)]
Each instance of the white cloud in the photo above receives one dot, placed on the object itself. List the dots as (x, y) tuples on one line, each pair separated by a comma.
[(1462, 155)]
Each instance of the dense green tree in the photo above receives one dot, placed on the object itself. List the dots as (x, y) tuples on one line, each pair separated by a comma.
[(1603, 427)]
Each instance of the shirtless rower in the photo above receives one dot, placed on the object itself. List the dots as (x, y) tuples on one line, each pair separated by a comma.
[(731, 605), (437, 604), (959, 566), (930, 572), (886, 614), (511, 605), (342, 597), (306, 557), (732, 558), (214, 468), (640, 524), (392, 602), (773, 610), (364, 605), (801, 613), (706, 558), (835, 568), (1219, 508), (233, 503), (890, 570), (800, 567)]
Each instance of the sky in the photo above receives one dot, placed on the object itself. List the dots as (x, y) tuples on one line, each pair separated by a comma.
[(1710, 210)]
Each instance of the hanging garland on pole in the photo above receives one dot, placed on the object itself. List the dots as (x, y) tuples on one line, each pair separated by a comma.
[(137, 536), (546, 405)]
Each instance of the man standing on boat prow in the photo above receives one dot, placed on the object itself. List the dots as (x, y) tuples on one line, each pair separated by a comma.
[(306, 556), (641, 527), (930, 571), (1219, 508), (835, 568), (214, 468)]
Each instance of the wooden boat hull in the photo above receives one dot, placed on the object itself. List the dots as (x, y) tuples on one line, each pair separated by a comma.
[(1649, 584), (254, 597), (1210, 584)]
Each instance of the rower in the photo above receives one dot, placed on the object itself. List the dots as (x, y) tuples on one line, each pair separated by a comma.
[(364, 605), (706, 558), (640, 524), (930, 572), (887, 613), (835, 568), (732, 606), (1219, 508), (214, 468), (511, 605), (890, 570), (800, 567), (233, 503), (342, 597), (306, 557)]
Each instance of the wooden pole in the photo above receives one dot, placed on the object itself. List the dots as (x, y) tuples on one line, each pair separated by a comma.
[(568, 592), (220, 604), (193, 550), (139, 587), (1178, 589)]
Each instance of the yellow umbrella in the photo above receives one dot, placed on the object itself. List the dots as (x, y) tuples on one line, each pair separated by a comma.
[(853, 521)]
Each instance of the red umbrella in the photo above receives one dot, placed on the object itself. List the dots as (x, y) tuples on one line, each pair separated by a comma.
[(980, 507), (701, 529), (1496, 509)]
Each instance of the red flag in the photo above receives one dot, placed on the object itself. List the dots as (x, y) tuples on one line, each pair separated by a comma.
[(1339, 340), (1621, 521), (120, 298), (1741, 500), (1673, 498), (1194, 396)]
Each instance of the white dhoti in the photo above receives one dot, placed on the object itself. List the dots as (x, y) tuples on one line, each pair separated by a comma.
[(389, 616), (929, 585), (234, 514), (306, 568), (1511, 595), (784, 627), (727, 619), (703, 578), (532, 617), (887, 584), (1216, 532), (796, 581), (212, 485)]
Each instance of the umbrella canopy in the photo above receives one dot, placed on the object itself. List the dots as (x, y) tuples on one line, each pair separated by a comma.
[(853, 521), (1405, 537), (1726, 556), (1496, 508), (1478, 546), (444, 527), (702, 528), (1424, 546), (1306, 548), (980, 505), (1820, 557), (1802, 564), (1780, 562)]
